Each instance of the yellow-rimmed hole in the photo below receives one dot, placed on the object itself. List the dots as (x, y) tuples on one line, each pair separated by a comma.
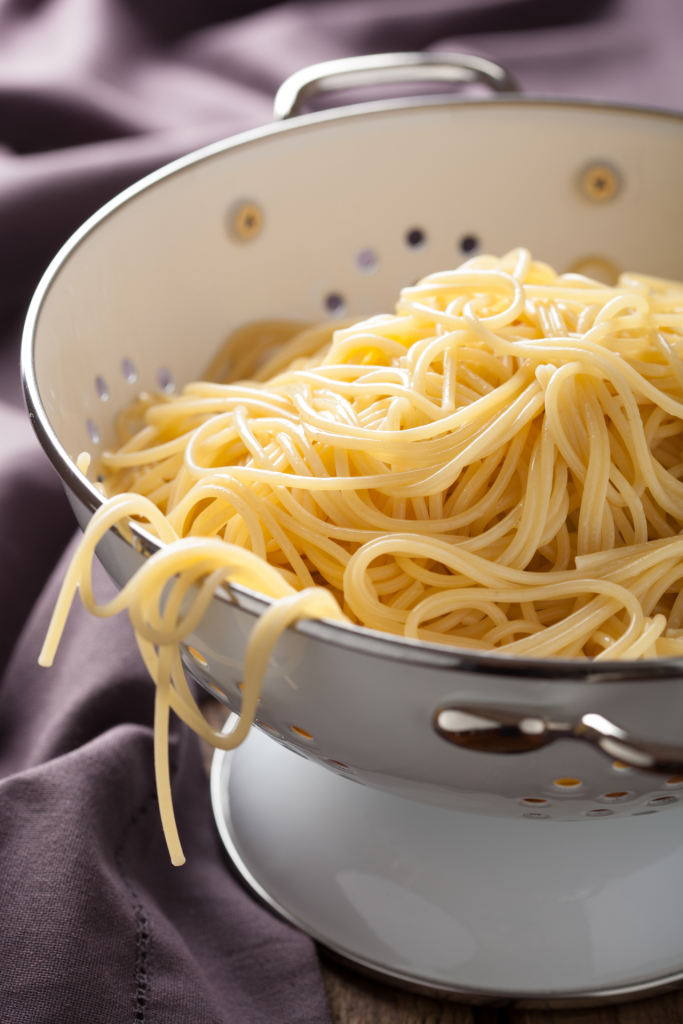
[(617, 796), (240, 687), (599, 183), (620, 766), (245, 220), (270, 728), (567, 783), (196, 656), (300, 732), (597, 267), (534, 800), (675, 780)]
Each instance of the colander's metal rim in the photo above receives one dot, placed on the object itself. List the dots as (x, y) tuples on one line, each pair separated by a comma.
[(220, 803), (370, 642)]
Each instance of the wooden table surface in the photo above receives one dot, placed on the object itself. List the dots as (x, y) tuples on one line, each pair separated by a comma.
[(354, 999)]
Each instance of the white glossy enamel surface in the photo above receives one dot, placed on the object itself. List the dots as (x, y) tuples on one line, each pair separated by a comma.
[(375, 716), (452, 900)]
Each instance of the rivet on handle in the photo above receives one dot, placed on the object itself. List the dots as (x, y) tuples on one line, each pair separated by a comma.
[(600, 182)]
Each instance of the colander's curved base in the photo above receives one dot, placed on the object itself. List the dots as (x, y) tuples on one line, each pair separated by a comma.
[(451, 902)]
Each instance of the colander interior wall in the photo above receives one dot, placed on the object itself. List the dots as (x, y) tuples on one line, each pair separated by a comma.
[(147, 292), (159, 283)]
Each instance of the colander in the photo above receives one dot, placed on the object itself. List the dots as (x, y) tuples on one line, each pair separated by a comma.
[(470, 823)]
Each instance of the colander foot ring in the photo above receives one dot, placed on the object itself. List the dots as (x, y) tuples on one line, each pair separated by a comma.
[(467, 907)]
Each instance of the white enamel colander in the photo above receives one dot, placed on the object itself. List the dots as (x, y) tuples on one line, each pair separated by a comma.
[(470, 860)]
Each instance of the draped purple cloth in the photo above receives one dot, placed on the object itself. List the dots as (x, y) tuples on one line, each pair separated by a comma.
[(95, 925)]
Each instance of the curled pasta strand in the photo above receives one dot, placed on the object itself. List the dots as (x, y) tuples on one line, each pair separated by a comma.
[(160, 622)]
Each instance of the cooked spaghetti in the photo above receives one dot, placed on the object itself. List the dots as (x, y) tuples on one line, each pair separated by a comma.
[(496, 466)]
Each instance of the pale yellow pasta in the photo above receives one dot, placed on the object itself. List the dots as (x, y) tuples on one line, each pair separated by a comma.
[(495, 466)]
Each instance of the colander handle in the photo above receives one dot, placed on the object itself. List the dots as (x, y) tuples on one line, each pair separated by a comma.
[(499, 731), (387, 68)]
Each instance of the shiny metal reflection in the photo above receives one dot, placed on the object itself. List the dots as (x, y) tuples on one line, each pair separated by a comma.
[(505, 731)]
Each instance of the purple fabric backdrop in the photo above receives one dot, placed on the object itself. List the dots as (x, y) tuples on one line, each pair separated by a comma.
[(96, 925)]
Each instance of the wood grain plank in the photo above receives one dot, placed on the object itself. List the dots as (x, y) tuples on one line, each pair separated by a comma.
[(598, 1015), (664, 1009), (353, 999), (667, 1009)]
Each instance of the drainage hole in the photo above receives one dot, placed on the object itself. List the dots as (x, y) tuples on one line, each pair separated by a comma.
[(240, 687), (245, 220), (301, 733), (270, 728), (338, 764), (416, 238), (166, 381), (196, 656), (469, 244), (616, 796), (335, 304), (567, 783), (219, 693), (130, 374), (366, 261)]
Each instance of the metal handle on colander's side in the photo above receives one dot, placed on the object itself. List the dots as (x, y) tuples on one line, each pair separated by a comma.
[(499, 731), (387, 68)]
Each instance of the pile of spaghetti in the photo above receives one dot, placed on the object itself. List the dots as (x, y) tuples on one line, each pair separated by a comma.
[(496, 466)]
